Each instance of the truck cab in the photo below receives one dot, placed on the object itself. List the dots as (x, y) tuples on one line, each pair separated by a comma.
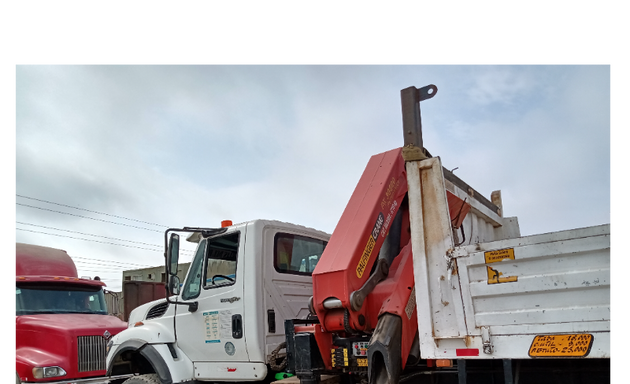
[(62, 325), (225, 321)]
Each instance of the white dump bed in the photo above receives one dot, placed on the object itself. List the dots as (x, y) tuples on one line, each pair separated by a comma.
[(499, 295)]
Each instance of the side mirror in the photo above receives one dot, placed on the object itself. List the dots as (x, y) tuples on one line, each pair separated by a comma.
[(172, 256), (173, 285), (172, 259)]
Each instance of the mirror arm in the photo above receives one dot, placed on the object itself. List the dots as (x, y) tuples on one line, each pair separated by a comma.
[(192, 307)]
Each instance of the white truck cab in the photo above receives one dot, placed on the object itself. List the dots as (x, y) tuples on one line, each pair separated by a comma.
[(225, 320)]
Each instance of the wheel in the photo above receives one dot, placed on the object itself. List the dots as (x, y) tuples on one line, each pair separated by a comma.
[(143, 379)]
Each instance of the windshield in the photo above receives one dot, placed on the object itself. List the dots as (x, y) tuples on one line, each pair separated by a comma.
[(55, 298)]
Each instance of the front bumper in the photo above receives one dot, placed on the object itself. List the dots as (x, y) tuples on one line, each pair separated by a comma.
[(92, 380)]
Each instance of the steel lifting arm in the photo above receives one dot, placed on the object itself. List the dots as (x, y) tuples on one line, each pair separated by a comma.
[(344, 269)]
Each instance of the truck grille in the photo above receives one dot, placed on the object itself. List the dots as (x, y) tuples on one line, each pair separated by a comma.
[(91, 353)]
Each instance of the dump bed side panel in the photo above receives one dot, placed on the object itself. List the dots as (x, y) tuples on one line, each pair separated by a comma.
[(538, 285), (499, 295)]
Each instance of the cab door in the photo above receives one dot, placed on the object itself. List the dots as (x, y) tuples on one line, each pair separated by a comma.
[(214, 332)]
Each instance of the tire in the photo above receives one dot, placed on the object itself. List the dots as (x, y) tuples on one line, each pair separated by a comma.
[(143, 379)]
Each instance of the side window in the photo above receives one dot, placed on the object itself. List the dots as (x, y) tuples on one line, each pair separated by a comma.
[(296, 254), (192, 285), (221, 261)]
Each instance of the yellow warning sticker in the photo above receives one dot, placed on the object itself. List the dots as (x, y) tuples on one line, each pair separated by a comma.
[(500, 255), (573, 345), (361, 362), (496, 277)]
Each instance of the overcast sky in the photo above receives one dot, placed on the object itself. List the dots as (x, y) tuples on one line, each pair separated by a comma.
[(108, 157)]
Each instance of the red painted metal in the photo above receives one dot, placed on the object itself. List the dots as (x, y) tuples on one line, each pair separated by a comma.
[(45, 339), (458, 209), (34, 260), (394, 295), (467, 352), (346, 263), (353, 249)]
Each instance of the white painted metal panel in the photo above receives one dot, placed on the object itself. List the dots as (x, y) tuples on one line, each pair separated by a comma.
[(514, 346), (555, 283), (230, 371), (286, 294), (562, 285), (431, 236)]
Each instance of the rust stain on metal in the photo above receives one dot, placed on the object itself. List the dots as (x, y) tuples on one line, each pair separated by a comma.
[(495, 197), (437, 343)]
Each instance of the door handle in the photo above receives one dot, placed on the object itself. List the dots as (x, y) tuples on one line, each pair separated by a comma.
[(237, 326), (271, 321)]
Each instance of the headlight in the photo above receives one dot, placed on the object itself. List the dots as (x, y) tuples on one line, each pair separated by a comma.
[(45, 372), (109, 346)]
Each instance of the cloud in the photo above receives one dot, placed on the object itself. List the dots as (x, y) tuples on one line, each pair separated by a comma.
[(500, 85), (194, 145)]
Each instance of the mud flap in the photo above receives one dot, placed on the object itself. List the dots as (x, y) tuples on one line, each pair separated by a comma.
[(384, 359)]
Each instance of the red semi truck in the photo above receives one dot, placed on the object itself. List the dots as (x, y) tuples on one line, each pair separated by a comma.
[(62, 325)]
